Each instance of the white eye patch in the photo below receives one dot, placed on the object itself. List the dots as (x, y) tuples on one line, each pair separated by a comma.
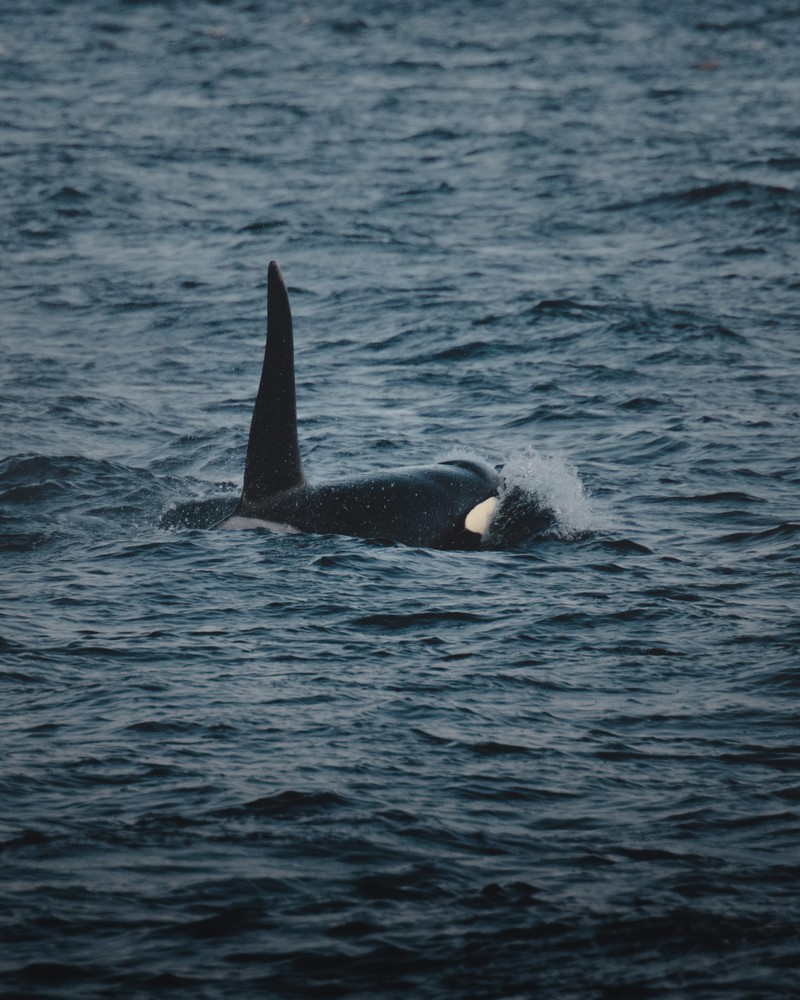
[(479, 517)]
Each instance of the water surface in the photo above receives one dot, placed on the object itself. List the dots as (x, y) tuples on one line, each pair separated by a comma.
[(556, 236)]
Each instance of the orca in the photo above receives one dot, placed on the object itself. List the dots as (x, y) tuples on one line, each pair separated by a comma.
[(444, 506)]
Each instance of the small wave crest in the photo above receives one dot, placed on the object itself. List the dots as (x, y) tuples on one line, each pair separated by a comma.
[(542, 497), (200, 514)]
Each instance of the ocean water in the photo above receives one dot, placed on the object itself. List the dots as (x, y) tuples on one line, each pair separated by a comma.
[(562, 236)]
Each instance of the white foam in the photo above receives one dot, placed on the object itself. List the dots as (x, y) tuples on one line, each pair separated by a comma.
[(557, 486)]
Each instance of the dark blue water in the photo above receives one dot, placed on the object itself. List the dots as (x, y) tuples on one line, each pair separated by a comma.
[(563, 236)]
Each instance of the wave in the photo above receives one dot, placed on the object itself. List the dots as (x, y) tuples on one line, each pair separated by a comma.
[(786, 531), (49, 498), (200, 514), (731, 194)]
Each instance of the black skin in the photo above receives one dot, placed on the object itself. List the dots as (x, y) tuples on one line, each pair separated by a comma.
[(422, 505)]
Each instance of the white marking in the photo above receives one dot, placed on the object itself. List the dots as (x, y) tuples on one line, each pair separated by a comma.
[(479, 517), (236, 523)]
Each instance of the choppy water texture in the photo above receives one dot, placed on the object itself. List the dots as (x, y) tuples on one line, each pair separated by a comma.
[(562, 236)]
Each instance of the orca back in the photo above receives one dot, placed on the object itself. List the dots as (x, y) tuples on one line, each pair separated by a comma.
[(414, 505)]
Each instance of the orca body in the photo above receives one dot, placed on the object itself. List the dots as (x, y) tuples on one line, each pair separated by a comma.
[(444, 506)]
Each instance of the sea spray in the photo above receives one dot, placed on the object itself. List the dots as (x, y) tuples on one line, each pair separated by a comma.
[(542, 496)]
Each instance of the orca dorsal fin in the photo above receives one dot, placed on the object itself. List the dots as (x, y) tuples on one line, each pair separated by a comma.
[(273, 453)]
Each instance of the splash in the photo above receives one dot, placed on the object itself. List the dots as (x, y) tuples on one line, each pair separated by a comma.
[(542, 497)]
